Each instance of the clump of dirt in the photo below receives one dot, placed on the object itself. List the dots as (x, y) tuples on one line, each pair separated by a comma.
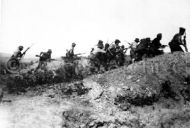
[(76, 88), (75, 118)]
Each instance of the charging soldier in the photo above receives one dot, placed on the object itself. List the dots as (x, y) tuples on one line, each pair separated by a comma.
[(44, 58), (133, 47), (70, 54), (18, 53)]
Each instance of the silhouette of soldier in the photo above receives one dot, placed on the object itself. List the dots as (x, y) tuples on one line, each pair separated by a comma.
[(133, 47), (70, 54), (18, 53), (44, 58), (156, 45), (177, 41)]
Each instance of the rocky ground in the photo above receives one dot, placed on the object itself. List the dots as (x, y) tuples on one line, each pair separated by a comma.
[(153, 93)]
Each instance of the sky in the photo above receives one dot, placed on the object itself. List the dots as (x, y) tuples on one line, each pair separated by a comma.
[(55, 24)]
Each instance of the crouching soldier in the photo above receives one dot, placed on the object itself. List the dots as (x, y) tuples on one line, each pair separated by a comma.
[(44, 57), (177, 41), (155, 46)]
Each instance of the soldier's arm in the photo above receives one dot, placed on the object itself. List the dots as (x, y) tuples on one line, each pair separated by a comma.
[(180, 40), (41, 53)]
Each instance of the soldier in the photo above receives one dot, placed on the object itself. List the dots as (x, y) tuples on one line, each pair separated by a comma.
[(142, 50), (44, 58), (99, 48), (135, 43), (115, 47), (177, 41), (133, 47), (98, 56), (70, 54), (121, 56), (18, 53), (106, 48), (156, 45)]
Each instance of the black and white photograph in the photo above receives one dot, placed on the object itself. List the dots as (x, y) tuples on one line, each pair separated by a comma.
[(94, 64)]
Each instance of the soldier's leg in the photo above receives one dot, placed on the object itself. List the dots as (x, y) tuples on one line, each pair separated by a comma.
[(39, 65)]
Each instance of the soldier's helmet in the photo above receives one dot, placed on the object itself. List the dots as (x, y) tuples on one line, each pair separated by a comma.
[(117, 41), (159, 35), (20, 48), (100, 44), (49, 51), (137, 40), (181, 30), (73, 44), (148, 39), (107, 45)]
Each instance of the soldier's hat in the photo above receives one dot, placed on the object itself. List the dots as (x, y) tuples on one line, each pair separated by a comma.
[(49, 51), (181, 30), (159, 34), (100, 42), (73, 44), (148, 39), (136, 39), (20, 47), (117, 41)]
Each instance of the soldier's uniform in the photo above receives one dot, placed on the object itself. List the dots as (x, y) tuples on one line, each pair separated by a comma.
[(18, 53), (142, 49), (44, 58), (133, 49), (121, 56), (114, 48), (98, 55), (70, 54), (156, 45), (99, 48), (177, 41)]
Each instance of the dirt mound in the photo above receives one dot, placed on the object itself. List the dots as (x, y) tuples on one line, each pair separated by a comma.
[(147, 94), (146, 78), (153, 93)]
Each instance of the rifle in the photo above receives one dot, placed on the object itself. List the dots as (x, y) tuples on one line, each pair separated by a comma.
[(27, 50), (48, 59), (79, 54), (185, 45)]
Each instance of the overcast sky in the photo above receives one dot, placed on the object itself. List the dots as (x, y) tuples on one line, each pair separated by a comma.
[(56, 24)]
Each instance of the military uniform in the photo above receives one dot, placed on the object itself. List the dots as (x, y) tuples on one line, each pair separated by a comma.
[(114, 48), (18, 54), (70, 54), (98, 56), (156, 45), (142, 49), (133, 49), (177, 41), (44, 57), (121, 56)]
